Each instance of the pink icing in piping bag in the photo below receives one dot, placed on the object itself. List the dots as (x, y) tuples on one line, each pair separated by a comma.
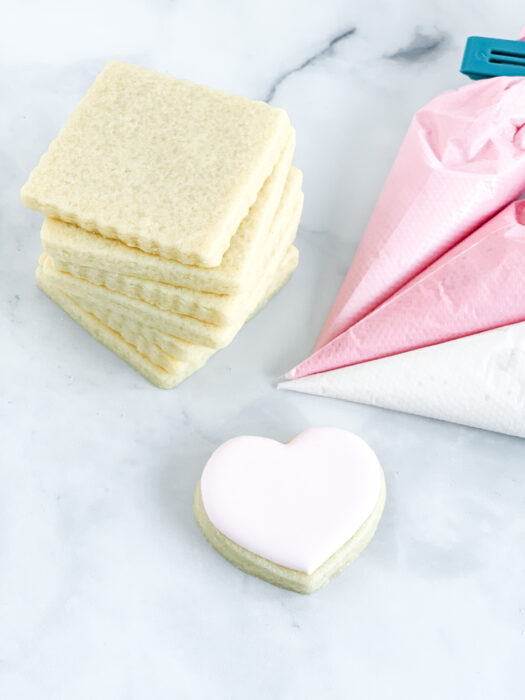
[(462, 161), (476, 286)]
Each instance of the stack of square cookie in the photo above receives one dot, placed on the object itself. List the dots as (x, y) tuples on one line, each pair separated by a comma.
[(172, 209)]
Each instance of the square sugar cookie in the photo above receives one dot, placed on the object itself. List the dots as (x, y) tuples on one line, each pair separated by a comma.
[(161, 164), (170, 372), (186, 328), (74, 249), (219, 309)]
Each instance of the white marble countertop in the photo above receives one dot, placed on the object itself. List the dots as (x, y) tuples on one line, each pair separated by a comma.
[(107, 588)]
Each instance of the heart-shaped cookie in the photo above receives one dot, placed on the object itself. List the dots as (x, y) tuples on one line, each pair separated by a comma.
[(291, 514)]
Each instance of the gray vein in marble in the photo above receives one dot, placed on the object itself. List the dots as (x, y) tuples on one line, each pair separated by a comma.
[(327, 242), (420, 47), (308, 62)]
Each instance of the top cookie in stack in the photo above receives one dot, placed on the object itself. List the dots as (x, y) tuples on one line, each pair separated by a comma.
[(172, 210)]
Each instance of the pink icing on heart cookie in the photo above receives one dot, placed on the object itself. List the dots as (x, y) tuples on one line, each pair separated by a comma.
[(293, 504)]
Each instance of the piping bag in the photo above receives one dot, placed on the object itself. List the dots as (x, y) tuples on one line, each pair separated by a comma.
[(431, 316), (477, 285), (478, 381), (432, 359), (462, 161)]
